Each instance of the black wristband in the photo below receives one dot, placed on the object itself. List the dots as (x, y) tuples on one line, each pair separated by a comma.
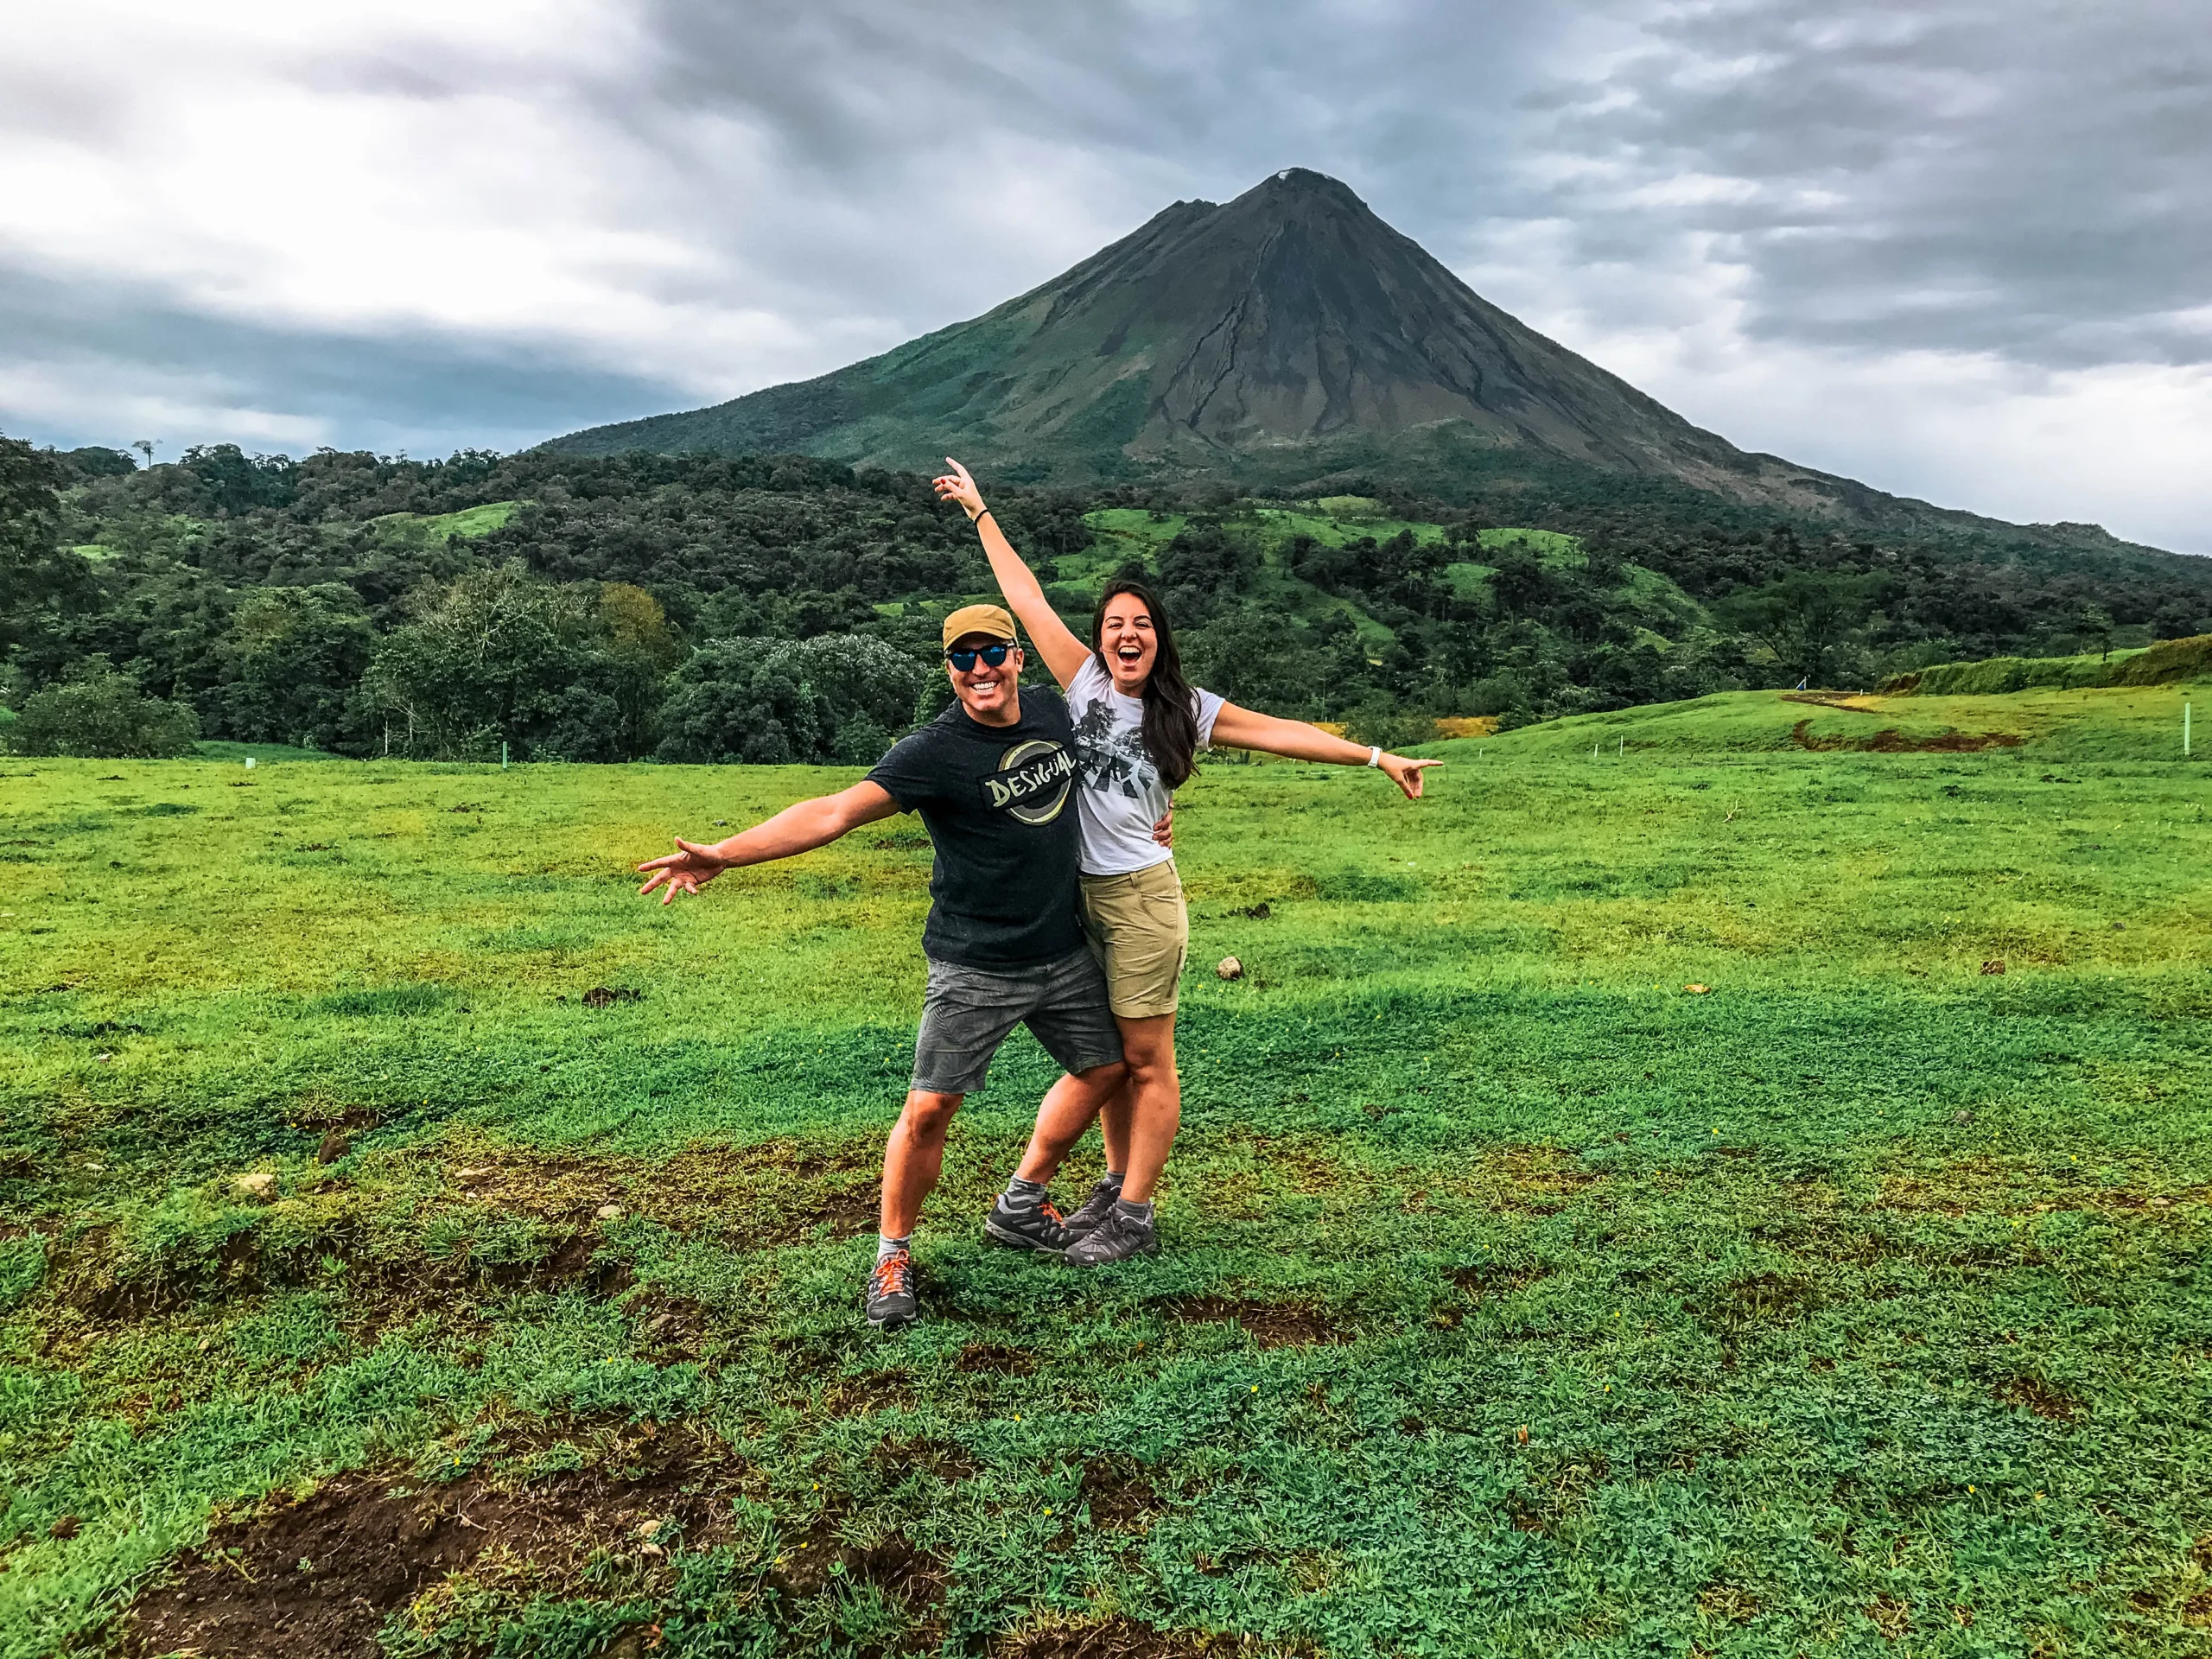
[(980, 517)]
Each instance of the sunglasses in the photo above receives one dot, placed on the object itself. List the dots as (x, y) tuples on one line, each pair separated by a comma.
[(964, 659)]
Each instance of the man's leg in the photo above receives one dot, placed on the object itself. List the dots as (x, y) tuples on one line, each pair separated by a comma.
[(1066, 1113), (1114, 1127), (914, 1157)]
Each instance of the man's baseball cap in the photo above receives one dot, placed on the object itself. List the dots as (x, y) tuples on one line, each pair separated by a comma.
[(990, 621)]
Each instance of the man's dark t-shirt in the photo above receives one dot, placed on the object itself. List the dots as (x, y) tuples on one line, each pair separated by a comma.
[(999, 803)]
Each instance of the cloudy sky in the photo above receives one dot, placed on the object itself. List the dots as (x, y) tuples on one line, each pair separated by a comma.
[(1960, 249)]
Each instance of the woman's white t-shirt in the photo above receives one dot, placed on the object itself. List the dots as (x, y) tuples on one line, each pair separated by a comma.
[(1122, 795)]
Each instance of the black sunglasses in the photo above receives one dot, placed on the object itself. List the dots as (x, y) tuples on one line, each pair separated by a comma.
[(964, 659)]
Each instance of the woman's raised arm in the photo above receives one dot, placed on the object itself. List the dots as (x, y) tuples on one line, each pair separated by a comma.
[(1025, 596), (1241, 728)]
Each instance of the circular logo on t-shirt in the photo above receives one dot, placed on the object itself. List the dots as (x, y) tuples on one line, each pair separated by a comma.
[(1033, 781)]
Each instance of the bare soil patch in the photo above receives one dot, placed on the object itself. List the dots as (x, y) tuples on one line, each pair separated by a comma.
[(1271, 1325), (316, 1579), (1890, 740), (1117, 1638), (901, 1455), (1119, 1493), (810, 1560), (1483, 1279), (994, 1359), (2039, 1397)]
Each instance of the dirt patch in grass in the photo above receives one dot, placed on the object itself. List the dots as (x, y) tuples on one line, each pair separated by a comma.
[(809, 1560), (2039, 1397), (1119, 1493), (316, 1578), (1271, 1325), (1118, 1638), (856, 1396), (1481, 1280), (769, 1193), (1890, 740), (904, 1455), (992, 1359), (1531, 1181)]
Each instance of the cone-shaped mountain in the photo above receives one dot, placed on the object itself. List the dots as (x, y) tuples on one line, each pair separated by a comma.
[(1285, 336)]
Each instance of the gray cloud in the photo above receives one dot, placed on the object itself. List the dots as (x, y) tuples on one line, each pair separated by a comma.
[(131, 352), (690, 200), (2029, 179)]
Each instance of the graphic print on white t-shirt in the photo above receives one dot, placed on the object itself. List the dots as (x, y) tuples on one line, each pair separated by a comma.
[(1122, 795)]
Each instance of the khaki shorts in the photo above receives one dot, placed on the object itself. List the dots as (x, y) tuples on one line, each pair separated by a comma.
[(1140, 934)]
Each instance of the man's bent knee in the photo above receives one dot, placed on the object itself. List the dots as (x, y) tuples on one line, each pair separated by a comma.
[(929, 1114), (1104, 1079)]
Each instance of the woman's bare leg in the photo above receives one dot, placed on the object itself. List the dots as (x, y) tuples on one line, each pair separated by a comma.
[(1154, 1096)]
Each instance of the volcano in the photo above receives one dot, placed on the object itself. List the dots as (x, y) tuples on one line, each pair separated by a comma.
[(1287, 336)]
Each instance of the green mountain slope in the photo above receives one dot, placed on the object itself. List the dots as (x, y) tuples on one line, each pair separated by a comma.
[(1279, 340)]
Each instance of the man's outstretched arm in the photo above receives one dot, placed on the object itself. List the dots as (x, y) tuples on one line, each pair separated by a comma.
[(797, 829)]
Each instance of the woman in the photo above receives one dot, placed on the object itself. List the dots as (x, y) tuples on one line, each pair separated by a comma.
[(1139, 727)]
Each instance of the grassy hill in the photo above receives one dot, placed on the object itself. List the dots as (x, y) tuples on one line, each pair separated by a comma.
[(1623, 1208)]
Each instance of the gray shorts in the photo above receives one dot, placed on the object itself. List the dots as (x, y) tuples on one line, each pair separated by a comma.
[(967, 1013)]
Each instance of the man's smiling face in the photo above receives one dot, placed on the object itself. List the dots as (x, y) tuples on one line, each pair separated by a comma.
[(987, 693)]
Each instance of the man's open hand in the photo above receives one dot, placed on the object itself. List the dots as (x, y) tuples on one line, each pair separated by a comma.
[(684, 871)]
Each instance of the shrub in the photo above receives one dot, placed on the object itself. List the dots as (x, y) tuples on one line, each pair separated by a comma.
[(838, 697), (2164, 663), (1386, 726), (100, 714)]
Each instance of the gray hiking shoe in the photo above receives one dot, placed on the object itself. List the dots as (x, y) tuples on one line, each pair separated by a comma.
[(1096, 1209), (1115, 1239), (892, 1301), (1040, 1228)]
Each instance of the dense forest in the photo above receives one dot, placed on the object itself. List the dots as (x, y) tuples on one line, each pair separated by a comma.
[(773, 609)]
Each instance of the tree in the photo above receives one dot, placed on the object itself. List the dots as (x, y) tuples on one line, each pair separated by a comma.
[(1806, 620), (837, 697), (293, 664), (491, 657), (41, 582), (99, 713)]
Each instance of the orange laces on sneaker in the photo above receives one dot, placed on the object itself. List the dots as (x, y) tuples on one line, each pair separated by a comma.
[(893, 1273)]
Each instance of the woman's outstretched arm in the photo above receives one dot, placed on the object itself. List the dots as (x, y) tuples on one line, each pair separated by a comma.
[(1240, 728), (1055, 641)]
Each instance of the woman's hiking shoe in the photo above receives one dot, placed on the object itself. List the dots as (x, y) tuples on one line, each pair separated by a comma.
[(1096, 1209), (1118, 1237), (891, 1299), (1040, 1227)]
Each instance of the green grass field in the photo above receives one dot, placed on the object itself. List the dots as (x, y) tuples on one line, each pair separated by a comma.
[(1517, 1298)]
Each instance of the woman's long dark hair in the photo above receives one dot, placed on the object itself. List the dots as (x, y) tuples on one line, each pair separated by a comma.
[(1171, 728)]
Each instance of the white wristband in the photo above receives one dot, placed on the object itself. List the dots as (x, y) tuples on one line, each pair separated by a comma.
[(1374, 756)]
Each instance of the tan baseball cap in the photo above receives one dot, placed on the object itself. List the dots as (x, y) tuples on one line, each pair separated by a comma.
[(990, 621)]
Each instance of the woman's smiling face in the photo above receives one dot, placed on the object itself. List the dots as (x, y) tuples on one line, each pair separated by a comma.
[(1126, 638)]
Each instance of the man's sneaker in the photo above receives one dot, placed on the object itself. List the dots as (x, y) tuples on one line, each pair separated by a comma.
[(891, 1299), (1115, 1239), (1096, 1209), (1041, 1228)]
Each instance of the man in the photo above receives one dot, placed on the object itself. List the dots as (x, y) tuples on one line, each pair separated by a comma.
[(992, 777)]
